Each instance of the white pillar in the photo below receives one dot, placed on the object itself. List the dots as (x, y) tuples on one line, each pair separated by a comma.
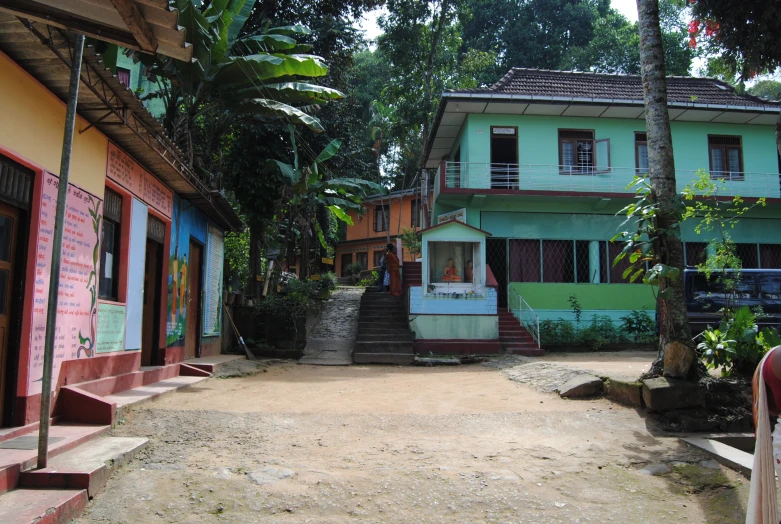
[(594, 268)]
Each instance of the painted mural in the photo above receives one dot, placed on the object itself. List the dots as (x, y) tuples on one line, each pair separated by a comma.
[(77, 303), (188, 223)]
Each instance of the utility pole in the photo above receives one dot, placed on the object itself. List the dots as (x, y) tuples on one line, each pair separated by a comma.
[(54, 278)]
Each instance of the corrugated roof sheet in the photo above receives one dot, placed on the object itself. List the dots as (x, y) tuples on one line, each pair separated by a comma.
[(547, 83)]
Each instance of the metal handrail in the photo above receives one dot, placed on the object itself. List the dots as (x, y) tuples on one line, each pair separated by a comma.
[(524, 313), (551, 177)]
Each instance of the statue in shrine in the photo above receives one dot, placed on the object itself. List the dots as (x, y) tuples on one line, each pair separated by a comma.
[(469, 272), (451, 272)]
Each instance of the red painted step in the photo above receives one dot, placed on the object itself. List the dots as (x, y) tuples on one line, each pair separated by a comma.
[(515, 339)]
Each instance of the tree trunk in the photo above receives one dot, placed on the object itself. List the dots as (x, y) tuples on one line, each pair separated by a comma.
[(674, 325), (254, 287), (427, 74), (778, 133)]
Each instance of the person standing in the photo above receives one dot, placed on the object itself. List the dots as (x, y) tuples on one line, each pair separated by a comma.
[(766, 386), (381, 273), (394, 280)]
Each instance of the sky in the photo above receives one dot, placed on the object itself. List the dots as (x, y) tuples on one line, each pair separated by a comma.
[(368, 22)]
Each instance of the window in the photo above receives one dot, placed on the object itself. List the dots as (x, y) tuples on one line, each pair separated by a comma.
[(695, 252), (123, 75), (415, 211), (108, 286), (378, 258), (579, 153), (770, 256), (362, 259), (748, 255), (453, 266), (641, 153), (726, 157), (380, 213)]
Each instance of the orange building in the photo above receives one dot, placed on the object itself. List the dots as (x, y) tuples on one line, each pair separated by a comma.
[(367, 237)]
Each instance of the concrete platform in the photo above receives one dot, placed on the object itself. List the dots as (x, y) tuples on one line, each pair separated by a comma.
[(211, 364), (733, 458), (14, 461), (88, 466), (41, 506), (133, 397)]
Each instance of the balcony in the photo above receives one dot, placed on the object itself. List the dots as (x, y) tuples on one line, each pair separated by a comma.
[(504, 178)]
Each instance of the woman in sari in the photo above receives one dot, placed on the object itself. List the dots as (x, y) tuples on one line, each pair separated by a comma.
[(762, 506), (392, 262)]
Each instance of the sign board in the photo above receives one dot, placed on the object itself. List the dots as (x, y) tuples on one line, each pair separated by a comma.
[(503, 130), (314, 277), (76, 306), (111, 328), (458, 214), (129, 174), (329, 261), (212, 299)]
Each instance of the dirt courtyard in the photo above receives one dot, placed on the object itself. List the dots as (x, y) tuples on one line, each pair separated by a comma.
[(388, 444)]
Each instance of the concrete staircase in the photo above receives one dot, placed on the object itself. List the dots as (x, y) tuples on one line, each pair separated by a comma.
[(383, 334), (514, 338), (412, 275)]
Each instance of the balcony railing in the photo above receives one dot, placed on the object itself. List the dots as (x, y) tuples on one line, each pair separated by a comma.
[(531, 177)]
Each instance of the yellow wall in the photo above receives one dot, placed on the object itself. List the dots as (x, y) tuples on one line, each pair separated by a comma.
[(32, 123)]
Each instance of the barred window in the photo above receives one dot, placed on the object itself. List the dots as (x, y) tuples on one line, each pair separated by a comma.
[(770, 256), (695, 253), (641, 153), (748, 255), (565, 261), (415, 213)]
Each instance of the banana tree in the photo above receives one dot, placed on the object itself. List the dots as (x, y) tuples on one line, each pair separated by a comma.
[(310, 195), (258, 76)]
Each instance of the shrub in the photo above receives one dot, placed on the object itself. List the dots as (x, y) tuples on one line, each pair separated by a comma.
[(639, 326), (328, 281), (354, 268)]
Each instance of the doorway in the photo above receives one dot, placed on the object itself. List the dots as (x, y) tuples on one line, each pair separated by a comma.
[(496, 258), (150, 337), (504, 158), (193, 272), (9, 226), (347, 259)]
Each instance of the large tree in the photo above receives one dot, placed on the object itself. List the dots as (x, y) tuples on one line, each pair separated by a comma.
[(667, 246)]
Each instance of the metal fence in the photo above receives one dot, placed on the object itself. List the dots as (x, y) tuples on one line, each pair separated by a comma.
[(524, 313), (536, 177)]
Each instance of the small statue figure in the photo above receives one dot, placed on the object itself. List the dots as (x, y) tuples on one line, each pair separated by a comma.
[(451, 272)]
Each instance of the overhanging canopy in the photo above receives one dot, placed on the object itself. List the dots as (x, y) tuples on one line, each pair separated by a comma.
[(144, 25)]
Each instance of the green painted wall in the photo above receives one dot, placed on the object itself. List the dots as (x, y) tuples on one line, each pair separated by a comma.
[(565, 226), (538, 140), (590, 296), (125, 62), (455, 326)]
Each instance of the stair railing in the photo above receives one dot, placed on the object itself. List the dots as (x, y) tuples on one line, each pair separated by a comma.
[(522, 311)]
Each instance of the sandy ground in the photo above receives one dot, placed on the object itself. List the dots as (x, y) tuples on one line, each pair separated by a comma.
[(626, 364), (387, 444)]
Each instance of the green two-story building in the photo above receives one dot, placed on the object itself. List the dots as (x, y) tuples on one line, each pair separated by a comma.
[(541, 161)]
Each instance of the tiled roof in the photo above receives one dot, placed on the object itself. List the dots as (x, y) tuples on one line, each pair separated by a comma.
[(570, 84)]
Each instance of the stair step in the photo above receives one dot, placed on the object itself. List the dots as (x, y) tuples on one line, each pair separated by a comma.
[(383, 346), (527, 352), (42, 506), (390, 337), (384, 358), (88, 466)]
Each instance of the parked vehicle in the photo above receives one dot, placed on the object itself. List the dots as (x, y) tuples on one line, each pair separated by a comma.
[(707, 297)]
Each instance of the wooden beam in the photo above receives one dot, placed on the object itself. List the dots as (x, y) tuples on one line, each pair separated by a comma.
[(129, 12)]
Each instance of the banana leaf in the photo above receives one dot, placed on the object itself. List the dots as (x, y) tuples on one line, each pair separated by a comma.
[(272, 108), (254, 68), (291, 93)]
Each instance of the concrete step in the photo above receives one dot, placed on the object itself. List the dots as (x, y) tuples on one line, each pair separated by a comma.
[(382, 332), (382, 324), (88, 466), (384, 358), (21, 453), (526, 352), (391, 337), (212, 364), (383, 346), (42, 506)]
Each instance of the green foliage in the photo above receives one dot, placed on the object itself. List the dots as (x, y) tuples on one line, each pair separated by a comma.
[(237, 255), (371, 281), (354, 268), (410, 241), (615, 46), (767, 89), (737, 345), (637, 327), (576, 307), (328, 281)]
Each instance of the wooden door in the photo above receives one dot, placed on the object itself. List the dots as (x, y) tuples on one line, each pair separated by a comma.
[(151, 313), (9, 225), (193, 300)]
